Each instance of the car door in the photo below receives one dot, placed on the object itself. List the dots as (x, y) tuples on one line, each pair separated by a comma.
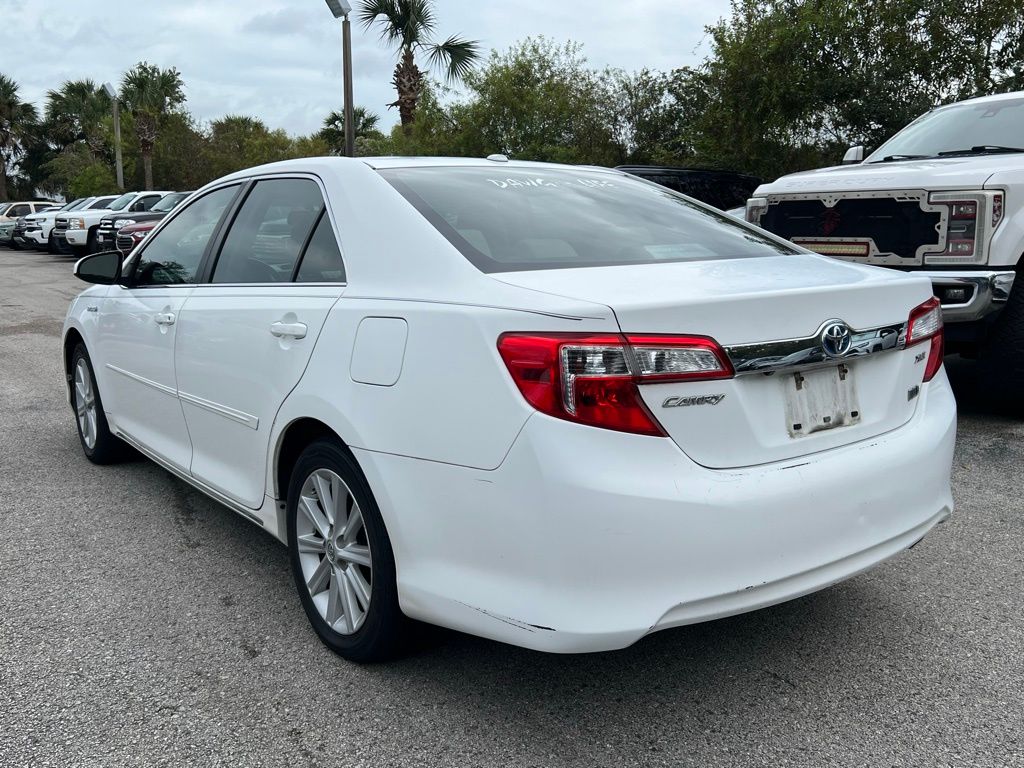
[(138, 330), (246, 335)]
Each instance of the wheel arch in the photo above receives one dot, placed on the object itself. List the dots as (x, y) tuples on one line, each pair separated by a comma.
[(72, 339), (290, 444)]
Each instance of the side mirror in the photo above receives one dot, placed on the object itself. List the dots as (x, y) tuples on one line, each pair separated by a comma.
[(100, 268), (139, 205), (854, 155)]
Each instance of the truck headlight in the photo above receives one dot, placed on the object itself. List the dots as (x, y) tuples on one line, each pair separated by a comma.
[(123, 223), (76, 224), (970, 219)]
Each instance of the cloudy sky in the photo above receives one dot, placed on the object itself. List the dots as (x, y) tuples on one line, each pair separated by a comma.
[(280, 60)]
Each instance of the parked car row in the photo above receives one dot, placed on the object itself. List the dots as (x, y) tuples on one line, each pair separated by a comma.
[(88, 224), (10, 213)]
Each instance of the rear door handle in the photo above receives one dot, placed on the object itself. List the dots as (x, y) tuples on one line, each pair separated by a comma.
[(164, 318), (294, 330)]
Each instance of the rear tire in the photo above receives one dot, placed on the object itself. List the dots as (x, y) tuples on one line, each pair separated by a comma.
[(1001, 359), (98, 443), (341, 556), (90, 242)]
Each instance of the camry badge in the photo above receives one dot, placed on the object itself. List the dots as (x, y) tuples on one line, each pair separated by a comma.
[(836, 338), (680, 402)]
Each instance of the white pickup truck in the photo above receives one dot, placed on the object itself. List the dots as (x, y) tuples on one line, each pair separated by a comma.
[(78, 229), (944, 197)]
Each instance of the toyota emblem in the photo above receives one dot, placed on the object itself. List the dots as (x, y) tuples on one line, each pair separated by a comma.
[(836, 338)]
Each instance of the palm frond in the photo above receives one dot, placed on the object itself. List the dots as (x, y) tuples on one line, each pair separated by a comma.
[(456, 56)]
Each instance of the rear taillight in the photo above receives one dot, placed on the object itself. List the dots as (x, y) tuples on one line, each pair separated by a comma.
[(592, 379), (925, 324)]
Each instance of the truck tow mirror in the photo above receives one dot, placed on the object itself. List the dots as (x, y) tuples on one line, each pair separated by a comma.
[(854, 155)]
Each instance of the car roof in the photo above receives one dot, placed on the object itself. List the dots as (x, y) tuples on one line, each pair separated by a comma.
[(313, 164), (1013, 95)]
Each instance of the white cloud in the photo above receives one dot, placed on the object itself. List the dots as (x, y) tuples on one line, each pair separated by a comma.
[(280, 60)]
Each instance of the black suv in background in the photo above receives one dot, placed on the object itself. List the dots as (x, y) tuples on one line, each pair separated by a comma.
[(722, 189), (106, 234)]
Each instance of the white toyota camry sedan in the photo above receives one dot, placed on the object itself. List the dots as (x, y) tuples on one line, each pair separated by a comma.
[(555, 406)]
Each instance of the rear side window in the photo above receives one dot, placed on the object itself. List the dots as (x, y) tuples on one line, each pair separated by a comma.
[(19, 210), (267, 235), (321, 263), (173, 255), (509, 219)]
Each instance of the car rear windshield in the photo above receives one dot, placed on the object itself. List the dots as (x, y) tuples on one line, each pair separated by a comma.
[(508, 219)]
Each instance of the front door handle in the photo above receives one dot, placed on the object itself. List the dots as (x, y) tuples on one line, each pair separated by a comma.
[(294, 330), (164, 318)]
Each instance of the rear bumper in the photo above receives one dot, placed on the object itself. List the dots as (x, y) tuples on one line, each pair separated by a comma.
[(585, 540), (985, 293)]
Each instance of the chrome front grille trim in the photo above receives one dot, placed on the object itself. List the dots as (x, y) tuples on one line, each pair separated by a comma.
[(809, 351)]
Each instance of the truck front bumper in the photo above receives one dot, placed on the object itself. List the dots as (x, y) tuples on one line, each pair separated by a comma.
[(968, 296)]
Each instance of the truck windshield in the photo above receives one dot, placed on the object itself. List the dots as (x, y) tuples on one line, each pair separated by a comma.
[(506, 219), (168, 202), (122, 201), (961, 129)]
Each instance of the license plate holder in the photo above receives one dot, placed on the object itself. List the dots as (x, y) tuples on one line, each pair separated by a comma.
[(819, 400)]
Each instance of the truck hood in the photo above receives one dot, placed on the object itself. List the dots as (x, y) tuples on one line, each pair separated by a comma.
[(944, 173)]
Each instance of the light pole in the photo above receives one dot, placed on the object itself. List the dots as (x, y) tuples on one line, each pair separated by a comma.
[(117, 134), (341, 9)]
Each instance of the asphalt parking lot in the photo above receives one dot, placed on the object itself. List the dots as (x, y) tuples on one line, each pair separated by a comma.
[(142, 624)]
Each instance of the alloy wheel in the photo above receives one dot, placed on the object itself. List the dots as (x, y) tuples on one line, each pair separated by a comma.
[(85, 403), (334, 551)]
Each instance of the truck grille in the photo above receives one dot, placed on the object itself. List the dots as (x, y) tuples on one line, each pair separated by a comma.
[(878, 228), (125, 244)]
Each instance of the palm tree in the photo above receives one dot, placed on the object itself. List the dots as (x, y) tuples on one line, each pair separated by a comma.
[(18, 121), (408, 26), (76, 112), (364, 123), (148, 94)]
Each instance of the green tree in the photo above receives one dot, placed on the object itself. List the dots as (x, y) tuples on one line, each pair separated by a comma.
[(790, 83), (77, 111), (540, 101), (365, 127), (409, 26), (18, 123), (149, 94)]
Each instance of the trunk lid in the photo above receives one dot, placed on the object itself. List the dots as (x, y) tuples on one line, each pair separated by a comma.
[(814, 404)]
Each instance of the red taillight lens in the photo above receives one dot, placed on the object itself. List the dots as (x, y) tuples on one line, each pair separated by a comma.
[(592, 379), (925, 324)]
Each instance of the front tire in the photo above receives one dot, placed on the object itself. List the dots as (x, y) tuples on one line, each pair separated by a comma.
[(341, 556), (98, 443), (1001, 362)]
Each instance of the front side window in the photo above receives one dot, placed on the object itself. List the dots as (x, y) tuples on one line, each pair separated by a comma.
[(19, 210), (510, 219), (269, 232), (173, 256)]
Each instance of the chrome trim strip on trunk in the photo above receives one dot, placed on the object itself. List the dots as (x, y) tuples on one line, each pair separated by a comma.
[(809, 351), (197, 484)]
